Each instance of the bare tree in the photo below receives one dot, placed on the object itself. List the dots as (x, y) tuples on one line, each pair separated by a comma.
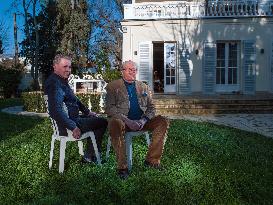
[(106, 36), (3, 37), (33, 50)]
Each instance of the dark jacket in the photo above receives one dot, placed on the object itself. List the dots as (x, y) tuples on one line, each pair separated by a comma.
[(59, 92)]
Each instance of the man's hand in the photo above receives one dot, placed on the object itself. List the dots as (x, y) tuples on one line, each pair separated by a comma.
[(76, 133), (92, 114), (141, 122), (134, 125)]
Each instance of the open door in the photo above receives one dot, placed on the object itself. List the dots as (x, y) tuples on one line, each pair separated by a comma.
[(169, 67), (146, 63)]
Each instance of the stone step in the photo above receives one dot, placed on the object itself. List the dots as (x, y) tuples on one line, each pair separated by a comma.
[(212, 106), (177, 112), (215, 101), (176, 105)]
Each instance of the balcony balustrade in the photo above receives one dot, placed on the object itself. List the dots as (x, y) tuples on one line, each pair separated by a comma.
[(193, 10)]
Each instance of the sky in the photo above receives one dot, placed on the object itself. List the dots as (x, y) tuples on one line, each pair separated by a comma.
[(6, 16)]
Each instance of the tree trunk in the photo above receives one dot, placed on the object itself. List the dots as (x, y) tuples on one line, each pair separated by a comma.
[(15, 39), (29, 40), (36, 53)]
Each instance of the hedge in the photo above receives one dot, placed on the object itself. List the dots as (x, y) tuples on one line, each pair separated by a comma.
[(34, 101), (10, 78)]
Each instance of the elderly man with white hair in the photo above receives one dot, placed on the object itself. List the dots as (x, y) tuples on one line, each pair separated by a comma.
[(130, 107)]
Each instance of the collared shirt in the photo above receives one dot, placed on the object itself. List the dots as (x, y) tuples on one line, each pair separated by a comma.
[(135, 112)]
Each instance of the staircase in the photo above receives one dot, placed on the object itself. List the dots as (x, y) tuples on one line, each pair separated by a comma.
[(218, 104)]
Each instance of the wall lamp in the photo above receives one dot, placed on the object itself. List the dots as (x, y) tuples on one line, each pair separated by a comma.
[(196, 51)]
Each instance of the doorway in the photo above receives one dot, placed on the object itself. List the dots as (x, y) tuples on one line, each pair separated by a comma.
[(164, 67), (158, 67)]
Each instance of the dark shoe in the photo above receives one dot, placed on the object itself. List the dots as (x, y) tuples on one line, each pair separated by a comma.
[(87, 160), (123, 174), (155, 166)]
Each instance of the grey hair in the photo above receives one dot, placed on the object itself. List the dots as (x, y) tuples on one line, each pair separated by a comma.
[(58, 57), (128, 62)]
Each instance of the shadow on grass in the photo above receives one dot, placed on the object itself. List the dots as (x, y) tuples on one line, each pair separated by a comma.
[(205, 164), (12, 125)]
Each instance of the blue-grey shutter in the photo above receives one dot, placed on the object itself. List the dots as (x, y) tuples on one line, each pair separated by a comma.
[(145, 62), (209, 66), (184, 77), (249, 66), (271, 67)]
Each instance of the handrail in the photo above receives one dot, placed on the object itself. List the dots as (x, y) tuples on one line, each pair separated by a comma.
[(184, 9)]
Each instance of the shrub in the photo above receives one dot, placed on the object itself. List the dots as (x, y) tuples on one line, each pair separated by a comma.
[(10, 77), (34, 101), (94, 100), (111, 74)]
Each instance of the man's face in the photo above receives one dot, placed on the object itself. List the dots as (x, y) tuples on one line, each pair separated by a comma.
[(129, 72), (63, 68)]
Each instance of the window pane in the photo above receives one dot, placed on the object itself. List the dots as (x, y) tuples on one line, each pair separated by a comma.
[(220, 50), (173, 72), (173, 80), (168, 80), (167, 72), (234, 76), (218, 74), (230, 76), (223, 80)]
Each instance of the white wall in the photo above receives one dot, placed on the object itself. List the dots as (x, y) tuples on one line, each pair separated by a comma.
[(195, 32)]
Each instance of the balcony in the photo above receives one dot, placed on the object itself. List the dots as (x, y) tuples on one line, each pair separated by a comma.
[(194, 10)]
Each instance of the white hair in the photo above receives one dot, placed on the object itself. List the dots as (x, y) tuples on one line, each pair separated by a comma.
[(128, 62)]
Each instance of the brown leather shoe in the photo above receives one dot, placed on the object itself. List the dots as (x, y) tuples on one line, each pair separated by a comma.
[(123, 174), (155, 166)]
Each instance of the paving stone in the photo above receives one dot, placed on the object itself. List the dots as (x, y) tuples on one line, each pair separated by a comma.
[(258, 123)]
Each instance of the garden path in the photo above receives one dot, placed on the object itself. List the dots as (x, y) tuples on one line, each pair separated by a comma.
[(258, 123)]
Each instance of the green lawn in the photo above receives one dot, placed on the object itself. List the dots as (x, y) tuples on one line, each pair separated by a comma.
[(206, 164)]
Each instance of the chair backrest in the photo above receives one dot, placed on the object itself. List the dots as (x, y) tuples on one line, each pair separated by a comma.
[(53, 122)]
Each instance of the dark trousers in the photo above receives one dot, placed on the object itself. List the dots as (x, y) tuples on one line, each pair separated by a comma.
[(96, 124)]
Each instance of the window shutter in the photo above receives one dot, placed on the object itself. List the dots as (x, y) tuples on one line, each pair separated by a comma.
[(209, 65), (184, 74), (271, 67), (145, 62), (249, 66)]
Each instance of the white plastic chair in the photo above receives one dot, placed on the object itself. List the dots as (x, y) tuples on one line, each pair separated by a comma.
[(129, 147), (68, 138)]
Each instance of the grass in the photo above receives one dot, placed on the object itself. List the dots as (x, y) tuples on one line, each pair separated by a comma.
[(206, 164)]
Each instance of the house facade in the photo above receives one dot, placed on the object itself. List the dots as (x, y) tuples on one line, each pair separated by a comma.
[(208, 47)]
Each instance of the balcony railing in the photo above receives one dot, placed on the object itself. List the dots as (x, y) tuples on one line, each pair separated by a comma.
[(192, 10)]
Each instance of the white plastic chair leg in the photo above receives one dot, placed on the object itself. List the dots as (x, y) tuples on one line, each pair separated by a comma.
[(108, 147), (80, 145), (129, 150), (51, 151), (129, 147), (62, 154), (147, 138), (95, 148)]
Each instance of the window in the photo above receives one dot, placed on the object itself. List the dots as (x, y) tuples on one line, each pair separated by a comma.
[(227, 63)]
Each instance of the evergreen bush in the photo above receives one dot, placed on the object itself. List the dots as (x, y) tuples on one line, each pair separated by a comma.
[(10, 78), (34, 101)]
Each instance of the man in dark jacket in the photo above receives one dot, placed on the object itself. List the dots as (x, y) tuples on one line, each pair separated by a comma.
[(59, 92)]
